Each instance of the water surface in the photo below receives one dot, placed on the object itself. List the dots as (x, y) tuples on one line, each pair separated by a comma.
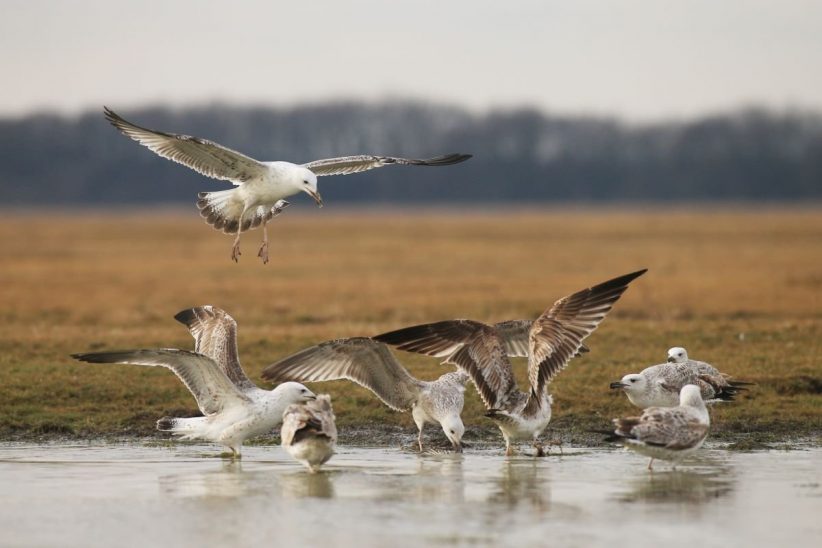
[(137, 494)]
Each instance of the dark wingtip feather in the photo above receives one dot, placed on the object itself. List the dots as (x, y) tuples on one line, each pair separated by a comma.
[(187, 317)]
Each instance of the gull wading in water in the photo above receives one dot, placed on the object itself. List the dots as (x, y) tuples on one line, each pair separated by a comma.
[(233, 408), (479, 349), (371, 365), (309, 433), (660, 385), (261, 186), (669, 433)]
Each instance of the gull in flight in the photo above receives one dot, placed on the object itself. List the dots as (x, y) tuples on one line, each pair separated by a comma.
[(371, 365), (261, 186), (669, 433), (309, 433), (233, 408), (480, 350), (660, 385)]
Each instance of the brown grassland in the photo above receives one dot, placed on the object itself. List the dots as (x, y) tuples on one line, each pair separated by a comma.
[(738, 288)]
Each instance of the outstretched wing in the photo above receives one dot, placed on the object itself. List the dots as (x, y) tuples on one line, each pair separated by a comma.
[(203, 156), (514, 335), (215, 336), (361, 360), (201, 375), (347, 165), (557, 334), (473, 346)]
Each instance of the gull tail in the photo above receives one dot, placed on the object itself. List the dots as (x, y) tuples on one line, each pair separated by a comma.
[(222, 210), (187, 427)]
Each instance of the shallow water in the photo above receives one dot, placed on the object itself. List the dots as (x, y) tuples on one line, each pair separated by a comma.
[(136, 495)]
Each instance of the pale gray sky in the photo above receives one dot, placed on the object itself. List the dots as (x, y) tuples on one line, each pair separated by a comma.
[(639, 59)]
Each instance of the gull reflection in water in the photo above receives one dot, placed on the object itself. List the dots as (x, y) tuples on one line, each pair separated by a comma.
[(230, 481), (708, 480), (522, 483)]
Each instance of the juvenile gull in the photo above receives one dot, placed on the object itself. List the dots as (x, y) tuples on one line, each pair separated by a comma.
[(309, 433), (660, 385), (479, 349), (371, 365), (669, 433), (261, 186)]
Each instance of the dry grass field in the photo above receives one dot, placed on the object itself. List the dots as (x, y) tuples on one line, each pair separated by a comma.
[(738, 288)]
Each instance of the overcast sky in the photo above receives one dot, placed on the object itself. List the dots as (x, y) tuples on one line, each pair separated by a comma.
[(642, 60)]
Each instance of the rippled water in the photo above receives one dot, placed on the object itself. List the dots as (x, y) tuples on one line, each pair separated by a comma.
[(135, 495)]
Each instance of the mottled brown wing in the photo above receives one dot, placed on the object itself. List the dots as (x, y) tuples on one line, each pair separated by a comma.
[(215, 336), (671, 427), (310, 419), (557, 335), (439, 339), (514, 335), (347, 165), (201, 375), (470, 345), (203, 156), (361, 360)]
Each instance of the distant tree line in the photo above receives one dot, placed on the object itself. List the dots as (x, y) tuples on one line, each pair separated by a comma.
[(520, 156)]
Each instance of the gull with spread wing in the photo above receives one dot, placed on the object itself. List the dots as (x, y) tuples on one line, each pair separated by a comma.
[(371, 365), (233, 407), (480, 350), (261, 186)]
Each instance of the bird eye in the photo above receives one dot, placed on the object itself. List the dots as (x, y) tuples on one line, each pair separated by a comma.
[(633, 380), (305, 182)]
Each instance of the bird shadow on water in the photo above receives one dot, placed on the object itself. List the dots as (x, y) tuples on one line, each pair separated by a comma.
[(702, 482)]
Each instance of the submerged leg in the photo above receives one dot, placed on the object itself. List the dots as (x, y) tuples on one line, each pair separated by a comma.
[(263, 253), (651, 464), (419, 438), (540, 449), (509, 449)]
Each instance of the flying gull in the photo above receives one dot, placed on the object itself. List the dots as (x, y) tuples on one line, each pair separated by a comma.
[(660, 385), (480, 350), (234, 408), (261, 186), (309, 433), (669, 433), (371, 365)]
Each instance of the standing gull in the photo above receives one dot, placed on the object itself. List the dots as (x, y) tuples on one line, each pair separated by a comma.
[(669, 433), (660, 385), (261, 186), (371, 365), (479, 349), (309, 433)]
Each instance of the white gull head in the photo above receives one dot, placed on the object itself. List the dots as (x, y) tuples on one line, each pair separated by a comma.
[(677, 354), (454, 429)]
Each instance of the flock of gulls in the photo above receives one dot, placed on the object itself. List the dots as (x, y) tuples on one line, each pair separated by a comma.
[(673, 395)]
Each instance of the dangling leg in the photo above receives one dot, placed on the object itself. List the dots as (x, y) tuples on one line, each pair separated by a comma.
[(263, 253), (235, 251)]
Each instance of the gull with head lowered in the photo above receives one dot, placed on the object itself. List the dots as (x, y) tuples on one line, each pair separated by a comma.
[(261, 186), (480, 350), (660, 385), (233, 408), (371, 365), (669, 433), (309, 432)]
